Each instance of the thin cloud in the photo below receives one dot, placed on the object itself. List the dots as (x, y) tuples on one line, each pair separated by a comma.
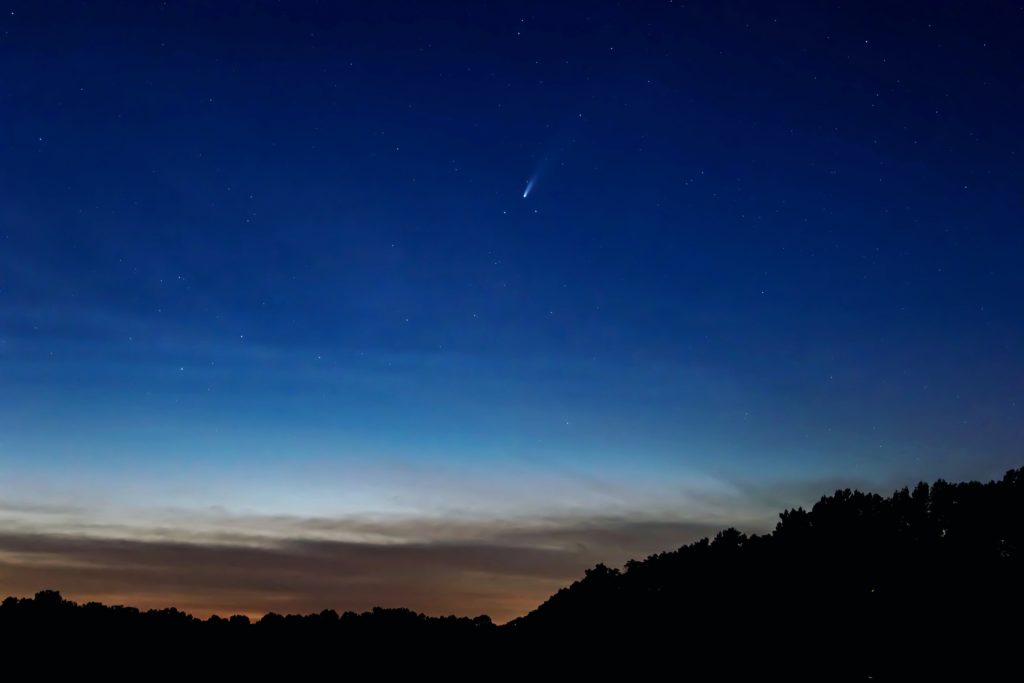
[(504, 574)]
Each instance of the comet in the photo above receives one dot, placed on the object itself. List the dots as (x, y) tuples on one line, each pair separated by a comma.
[(529, 186)]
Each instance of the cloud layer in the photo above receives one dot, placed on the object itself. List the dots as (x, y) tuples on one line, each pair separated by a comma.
[(210, 560), (503, 569)]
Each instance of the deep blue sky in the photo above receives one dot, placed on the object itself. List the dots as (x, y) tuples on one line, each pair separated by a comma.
[(275, 258)]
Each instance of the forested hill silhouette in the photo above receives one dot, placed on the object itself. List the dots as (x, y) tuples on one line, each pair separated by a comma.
[(926, 579)]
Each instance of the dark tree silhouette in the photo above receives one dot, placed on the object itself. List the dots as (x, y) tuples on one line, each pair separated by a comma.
[(925, 582)]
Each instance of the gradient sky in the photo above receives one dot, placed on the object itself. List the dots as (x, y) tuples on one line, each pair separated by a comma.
[(279, 329)]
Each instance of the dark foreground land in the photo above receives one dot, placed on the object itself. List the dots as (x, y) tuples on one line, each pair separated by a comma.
[(924, 583)]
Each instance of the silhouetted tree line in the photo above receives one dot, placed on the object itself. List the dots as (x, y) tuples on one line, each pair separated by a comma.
[(927, 581)]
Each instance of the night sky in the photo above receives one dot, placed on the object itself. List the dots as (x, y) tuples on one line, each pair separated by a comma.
[(282, 329)]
